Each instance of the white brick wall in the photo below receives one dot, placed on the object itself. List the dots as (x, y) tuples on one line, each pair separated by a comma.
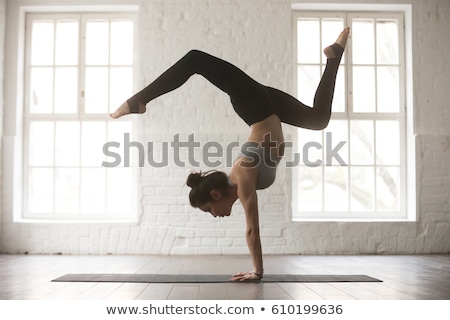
[(255, 35)]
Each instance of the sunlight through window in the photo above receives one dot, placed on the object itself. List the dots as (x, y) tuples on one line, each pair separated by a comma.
[(368, 118), (80, 68)]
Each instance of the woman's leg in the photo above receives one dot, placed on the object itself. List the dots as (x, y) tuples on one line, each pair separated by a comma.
[(292, 111), (251, 100), (220, 73)]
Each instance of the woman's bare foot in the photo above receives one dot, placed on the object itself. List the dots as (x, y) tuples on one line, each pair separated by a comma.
[(341, 41), (124, 109)]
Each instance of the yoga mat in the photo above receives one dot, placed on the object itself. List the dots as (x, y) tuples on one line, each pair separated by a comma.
[(195, 278)]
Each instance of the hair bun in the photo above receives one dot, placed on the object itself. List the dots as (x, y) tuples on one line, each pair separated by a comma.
[(194, 179)]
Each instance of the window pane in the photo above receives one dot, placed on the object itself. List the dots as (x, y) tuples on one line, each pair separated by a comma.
[(310, 146), (308, 80), (41, 90), (388, 189), (310, 189), (308, 42), (363, 41), (116, 130), (388, 142), (93, 190), (330, 29), (336, 186), (67, 143), (41, 190), (66, 88), (116, 133), (340, 97), (96, 95), (336, 143), (93, 137), (42, 43), (67, 190), (387, 41), (388, 89), (66, 43), (363, 89), (121, 42), (41, 143), (121, 85), (97, 42), (362, 188), (362, 142), (118, 197)]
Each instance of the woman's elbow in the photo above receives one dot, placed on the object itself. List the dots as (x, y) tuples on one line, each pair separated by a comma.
[(252, 232)]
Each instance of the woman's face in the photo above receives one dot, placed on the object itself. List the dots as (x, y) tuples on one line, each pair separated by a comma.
[(220, 206)]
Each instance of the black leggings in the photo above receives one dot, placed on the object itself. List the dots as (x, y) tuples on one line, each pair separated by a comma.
[(251, 100)]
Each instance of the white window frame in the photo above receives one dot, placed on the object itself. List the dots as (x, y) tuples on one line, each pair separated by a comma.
[(408, 168), (16, 133)]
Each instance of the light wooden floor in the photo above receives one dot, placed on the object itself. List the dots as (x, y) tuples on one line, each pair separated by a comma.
[(28, 277)]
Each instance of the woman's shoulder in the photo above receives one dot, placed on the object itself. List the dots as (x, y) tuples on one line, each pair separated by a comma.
[(243, 172)]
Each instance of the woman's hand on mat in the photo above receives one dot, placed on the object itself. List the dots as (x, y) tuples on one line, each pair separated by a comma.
[(243, 276)]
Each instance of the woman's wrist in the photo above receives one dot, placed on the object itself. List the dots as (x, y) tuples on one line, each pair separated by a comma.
[(258, 274)]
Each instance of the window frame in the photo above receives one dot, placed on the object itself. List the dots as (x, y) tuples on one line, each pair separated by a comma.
[(407, 182), (80, 116)]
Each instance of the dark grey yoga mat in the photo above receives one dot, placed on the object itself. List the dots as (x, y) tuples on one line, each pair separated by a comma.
[(195, 278)]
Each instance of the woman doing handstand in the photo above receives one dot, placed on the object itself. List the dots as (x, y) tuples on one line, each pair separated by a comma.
[(263, 109)]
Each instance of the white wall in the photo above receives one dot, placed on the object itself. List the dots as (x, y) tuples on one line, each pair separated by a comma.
[(2, 63), (255, 35)]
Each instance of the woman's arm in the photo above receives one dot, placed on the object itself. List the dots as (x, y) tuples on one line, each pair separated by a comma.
[(250, 205), (247, 195)]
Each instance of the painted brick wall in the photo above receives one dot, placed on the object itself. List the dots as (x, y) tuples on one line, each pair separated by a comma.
[(255, 35)]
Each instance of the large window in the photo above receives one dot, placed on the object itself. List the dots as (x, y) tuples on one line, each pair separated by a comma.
[(355, 168), (79, 67)]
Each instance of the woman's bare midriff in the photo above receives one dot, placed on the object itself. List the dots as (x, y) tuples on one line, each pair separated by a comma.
[(269, 133)]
